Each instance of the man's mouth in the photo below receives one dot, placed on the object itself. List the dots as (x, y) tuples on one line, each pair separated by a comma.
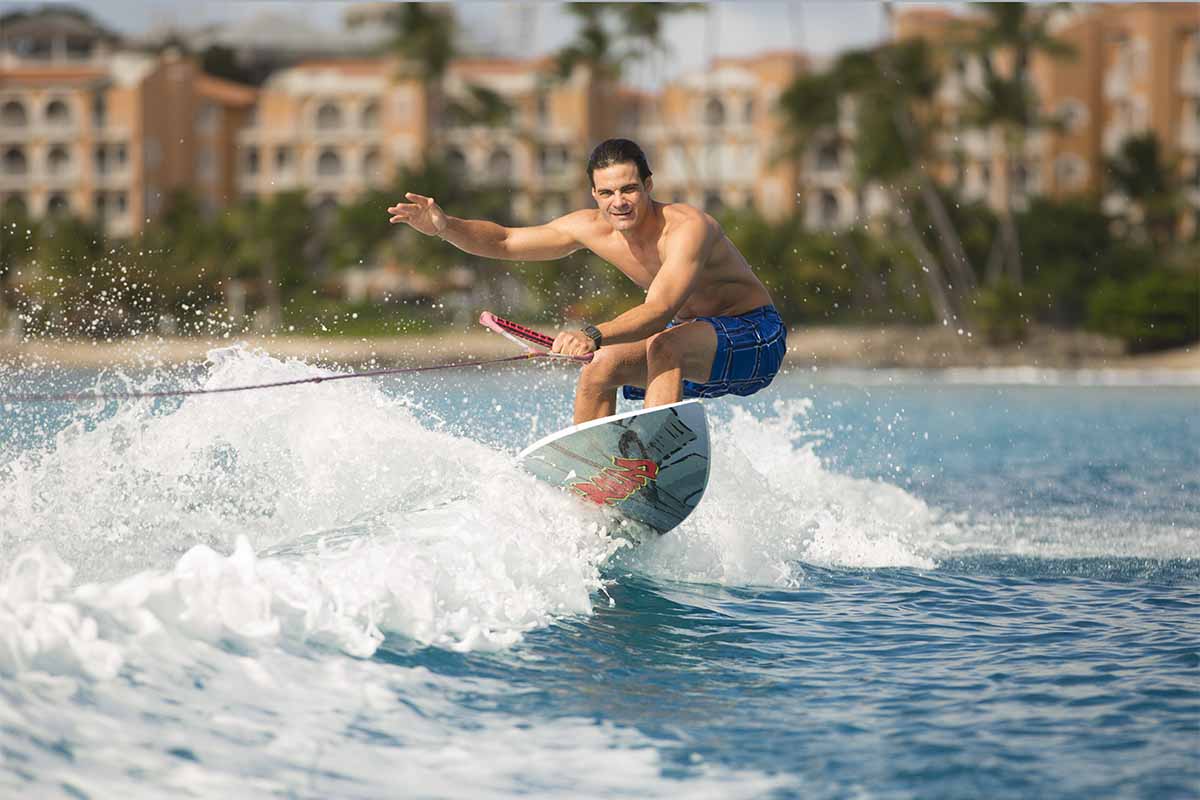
[(622, 214)]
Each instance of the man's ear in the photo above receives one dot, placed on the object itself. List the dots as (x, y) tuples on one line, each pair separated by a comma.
[(594, 197), (649, 184)]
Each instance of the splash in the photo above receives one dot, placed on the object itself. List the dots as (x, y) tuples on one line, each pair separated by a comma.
[(772, 505)]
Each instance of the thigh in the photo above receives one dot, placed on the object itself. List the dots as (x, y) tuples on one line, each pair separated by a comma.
[(695, 342)]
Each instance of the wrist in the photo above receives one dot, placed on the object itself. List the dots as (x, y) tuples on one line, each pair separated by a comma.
[(593, 333)]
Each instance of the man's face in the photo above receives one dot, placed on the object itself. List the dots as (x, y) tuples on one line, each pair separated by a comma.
[(620, 194)]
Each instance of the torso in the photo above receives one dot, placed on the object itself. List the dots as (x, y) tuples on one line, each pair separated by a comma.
[(727, 286)]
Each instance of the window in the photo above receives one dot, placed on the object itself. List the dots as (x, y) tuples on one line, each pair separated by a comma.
[(748, 111), (101, 203), (252, 160), (329, 163), (370, 115), (15, 162), (829, 156), (58, 160), (712, 202), (13, 115), (79, 48), (371, 164), (284, 160), (58, 204), (500, 166), (714, 112), (207, 118), (329, 117), (1073, 115), (206, 167), (456, 162), (1070, 171), (543, 108), (552, 159), (57, 113), (15, 206), (831, 209), (99, 110)]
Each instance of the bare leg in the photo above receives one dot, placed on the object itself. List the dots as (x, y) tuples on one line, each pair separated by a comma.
[(684, 352), (614, 365)]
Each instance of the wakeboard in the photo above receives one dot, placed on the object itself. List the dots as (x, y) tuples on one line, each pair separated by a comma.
[(649, 465)]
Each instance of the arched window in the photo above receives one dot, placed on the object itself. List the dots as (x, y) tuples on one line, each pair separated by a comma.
[(500, 165), (251, 161), (713, 203), (748, 111), (370, 115), (15, 206), (371, 164), (329, 117), (58, 204), (456, 162), (13, 114), (58, 160), (15, 162), (831, 209), (829, 156), (714, 112), (58, 113), (329, 163)]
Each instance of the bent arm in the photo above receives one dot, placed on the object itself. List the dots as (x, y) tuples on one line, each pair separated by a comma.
[(668, 291), (555, 239)]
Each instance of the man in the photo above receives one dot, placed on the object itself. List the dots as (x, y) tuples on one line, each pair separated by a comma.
[(707, 327)]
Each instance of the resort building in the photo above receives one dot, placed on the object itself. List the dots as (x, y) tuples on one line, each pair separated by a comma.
[(94, 126)]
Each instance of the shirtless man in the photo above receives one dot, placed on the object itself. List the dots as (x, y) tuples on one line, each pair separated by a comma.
[(707, 327)]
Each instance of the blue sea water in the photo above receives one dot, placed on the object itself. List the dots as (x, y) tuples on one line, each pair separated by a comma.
[(898, 585)]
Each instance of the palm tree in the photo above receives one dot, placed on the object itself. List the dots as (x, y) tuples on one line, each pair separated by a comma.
[(1140, 174), (889, 90), (1011, 35), (424, 39)]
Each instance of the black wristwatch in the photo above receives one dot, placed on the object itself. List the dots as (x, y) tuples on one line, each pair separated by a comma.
[(593, 333)]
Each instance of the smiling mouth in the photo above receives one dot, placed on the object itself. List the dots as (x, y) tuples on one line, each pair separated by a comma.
[(628, 213)]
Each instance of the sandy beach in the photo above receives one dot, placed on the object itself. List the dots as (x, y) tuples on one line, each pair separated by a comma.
[(863, 347)]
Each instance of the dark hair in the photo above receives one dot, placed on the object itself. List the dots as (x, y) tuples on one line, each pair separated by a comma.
[(617, 151)]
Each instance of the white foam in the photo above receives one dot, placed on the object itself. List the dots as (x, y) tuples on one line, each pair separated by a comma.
[(772, 504)]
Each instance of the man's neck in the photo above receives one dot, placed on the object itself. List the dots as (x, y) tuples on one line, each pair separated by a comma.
[(648, 228)]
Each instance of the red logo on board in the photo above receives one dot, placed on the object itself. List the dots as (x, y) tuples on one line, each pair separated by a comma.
[(618, 482)]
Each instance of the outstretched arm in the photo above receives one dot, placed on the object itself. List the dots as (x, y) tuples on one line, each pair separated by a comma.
[(668, 292), (555, 239)]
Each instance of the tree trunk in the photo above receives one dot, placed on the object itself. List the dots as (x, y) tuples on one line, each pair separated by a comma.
[(943, 304)]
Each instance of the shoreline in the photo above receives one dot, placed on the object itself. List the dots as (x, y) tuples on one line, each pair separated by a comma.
[(862, 347)]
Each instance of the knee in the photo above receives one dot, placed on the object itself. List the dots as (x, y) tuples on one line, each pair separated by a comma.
[(601, 372), (664, 348)]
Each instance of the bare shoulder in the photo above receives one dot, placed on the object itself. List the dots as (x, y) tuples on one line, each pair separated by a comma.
[(682, 219), (585, 221)]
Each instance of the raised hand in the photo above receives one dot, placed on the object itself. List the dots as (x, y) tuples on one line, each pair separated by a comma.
[(421, 212)]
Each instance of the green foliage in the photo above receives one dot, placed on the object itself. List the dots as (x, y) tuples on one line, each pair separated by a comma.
[(1001, 313), (1153, 311)]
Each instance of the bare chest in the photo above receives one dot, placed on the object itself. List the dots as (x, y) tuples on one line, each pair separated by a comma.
[(639, 264)]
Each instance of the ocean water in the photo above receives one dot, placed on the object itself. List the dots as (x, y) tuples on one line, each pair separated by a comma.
[(898, 585)]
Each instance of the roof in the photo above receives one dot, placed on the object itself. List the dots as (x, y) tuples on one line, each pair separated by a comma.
[(226, 92)]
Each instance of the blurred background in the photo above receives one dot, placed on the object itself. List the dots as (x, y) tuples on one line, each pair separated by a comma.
[(1011, 174)]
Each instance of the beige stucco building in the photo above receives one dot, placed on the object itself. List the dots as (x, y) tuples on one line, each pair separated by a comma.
[(91, 127)]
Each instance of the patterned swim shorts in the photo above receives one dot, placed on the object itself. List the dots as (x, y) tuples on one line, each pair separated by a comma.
[(750, 348)]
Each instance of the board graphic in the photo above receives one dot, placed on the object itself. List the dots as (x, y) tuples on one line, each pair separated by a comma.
[(649, 465)]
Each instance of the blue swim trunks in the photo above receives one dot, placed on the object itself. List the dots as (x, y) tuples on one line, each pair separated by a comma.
[(750, 348)]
